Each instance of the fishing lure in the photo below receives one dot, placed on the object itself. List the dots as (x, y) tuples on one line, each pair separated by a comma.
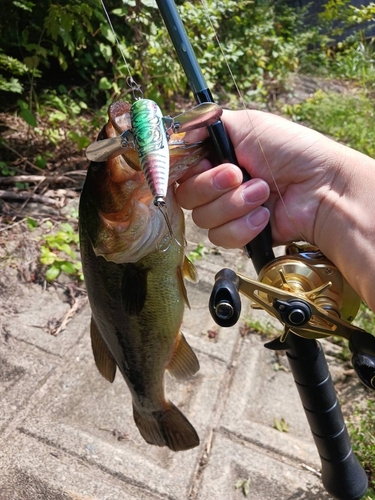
[(150, 135)]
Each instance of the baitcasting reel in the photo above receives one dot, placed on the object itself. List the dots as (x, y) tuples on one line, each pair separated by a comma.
[(308, 295)]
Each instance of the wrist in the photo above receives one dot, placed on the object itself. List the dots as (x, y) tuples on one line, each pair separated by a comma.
[(344, 228)]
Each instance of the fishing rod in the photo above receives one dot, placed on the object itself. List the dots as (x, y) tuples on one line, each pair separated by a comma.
[(294, 289), (260, 248)]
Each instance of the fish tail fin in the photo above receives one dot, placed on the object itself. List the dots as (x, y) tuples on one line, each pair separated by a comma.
[(167, 427)]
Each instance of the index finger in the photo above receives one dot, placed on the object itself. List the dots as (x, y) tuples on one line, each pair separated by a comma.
[(207, 186)]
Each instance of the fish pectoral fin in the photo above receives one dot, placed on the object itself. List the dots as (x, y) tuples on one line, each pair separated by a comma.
[(189, 271), (180, 278), (133, 288), (167, 427), (103, 358), (184, 362)]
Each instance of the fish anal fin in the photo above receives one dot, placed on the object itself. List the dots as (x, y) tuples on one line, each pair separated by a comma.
[(184, 362), (167, 427), (102, 356)]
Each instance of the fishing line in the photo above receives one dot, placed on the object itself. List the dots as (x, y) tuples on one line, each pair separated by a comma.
[(130, 80), (243, 104), (136, 88)]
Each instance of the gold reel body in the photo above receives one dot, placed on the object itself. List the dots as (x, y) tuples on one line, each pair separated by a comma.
[(306, 273)]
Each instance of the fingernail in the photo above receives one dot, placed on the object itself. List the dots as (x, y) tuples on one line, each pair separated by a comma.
[(255, 191), (229, 177), (258, 217)]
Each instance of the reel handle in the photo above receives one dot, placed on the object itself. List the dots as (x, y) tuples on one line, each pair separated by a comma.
[(225, 302), (362, 347), (342, 475)]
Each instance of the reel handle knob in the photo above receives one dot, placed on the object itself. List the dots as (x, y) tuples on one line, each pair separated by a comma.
[(362, 346), (225, 302)]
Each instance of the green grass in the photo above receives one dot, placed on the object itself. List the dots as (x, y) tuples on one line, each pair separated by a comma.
[(348, 117), (362, 431)]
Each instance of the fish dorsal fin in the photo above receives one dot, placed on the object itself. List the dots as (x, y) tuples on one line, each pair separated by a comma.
[(189, 271), (102, 355), (184, 362)]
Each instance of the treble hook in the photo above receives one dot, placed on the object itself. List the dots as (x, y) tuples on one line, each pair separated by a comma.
[(134, 87), (159, 202)]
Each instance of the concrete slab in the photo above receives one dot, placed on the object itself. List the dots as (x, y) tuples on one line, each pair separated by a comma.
[(23, 368), (67, 434), (230, 463), (32, 326), (259, 396), (34, 470), (83, 415)]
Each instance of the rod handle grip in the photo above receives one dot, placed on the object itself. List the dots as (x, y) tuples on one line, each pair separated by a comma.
[(342, 475)]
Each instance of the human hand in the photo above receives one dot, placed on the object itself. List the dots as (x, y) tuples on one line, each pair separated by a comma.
[(292, 169), (312, 188)]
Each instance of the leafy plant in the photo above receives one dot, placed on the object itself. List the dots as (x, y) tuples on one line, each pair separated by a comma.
[(75, 37), (347, 117), (198, 253), (244, 486), (59, 255), (5, 169), (362, 431), (281, 425), (26, 113), (262, 327)]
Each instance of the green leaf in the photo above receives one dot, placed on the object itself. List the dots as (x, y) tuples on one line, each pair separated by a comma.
[(23, 4), (31, 223), (5, 169), (40, 161), (281, 425), (149, 3), (28, 116), (13, 65), (108, 33), (52, 273), (32, 62), (11, 85), (244, 485), (104, 83), (66, 249), (106, 51), (58, 116), (82, 141), (48, 257), (68, 268)]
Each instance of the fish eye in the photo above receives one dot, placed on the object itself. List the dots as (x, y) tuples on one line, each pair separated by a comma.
[(97, 166)]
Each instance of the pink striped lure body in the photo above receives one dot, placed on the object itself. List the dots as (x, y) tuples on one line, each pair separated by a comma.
[(151, 139)]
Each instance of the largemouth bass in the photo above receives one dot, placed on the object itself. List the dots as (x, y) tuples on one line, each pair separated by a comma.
[(134, 269)]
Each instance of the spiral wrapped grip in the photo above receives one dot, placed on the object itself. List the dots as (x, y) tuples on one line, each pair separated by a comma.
[(342, 475)]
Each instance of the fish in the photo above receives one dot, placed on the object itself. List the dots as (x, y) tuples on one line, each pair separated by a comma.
[(134, 269)]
